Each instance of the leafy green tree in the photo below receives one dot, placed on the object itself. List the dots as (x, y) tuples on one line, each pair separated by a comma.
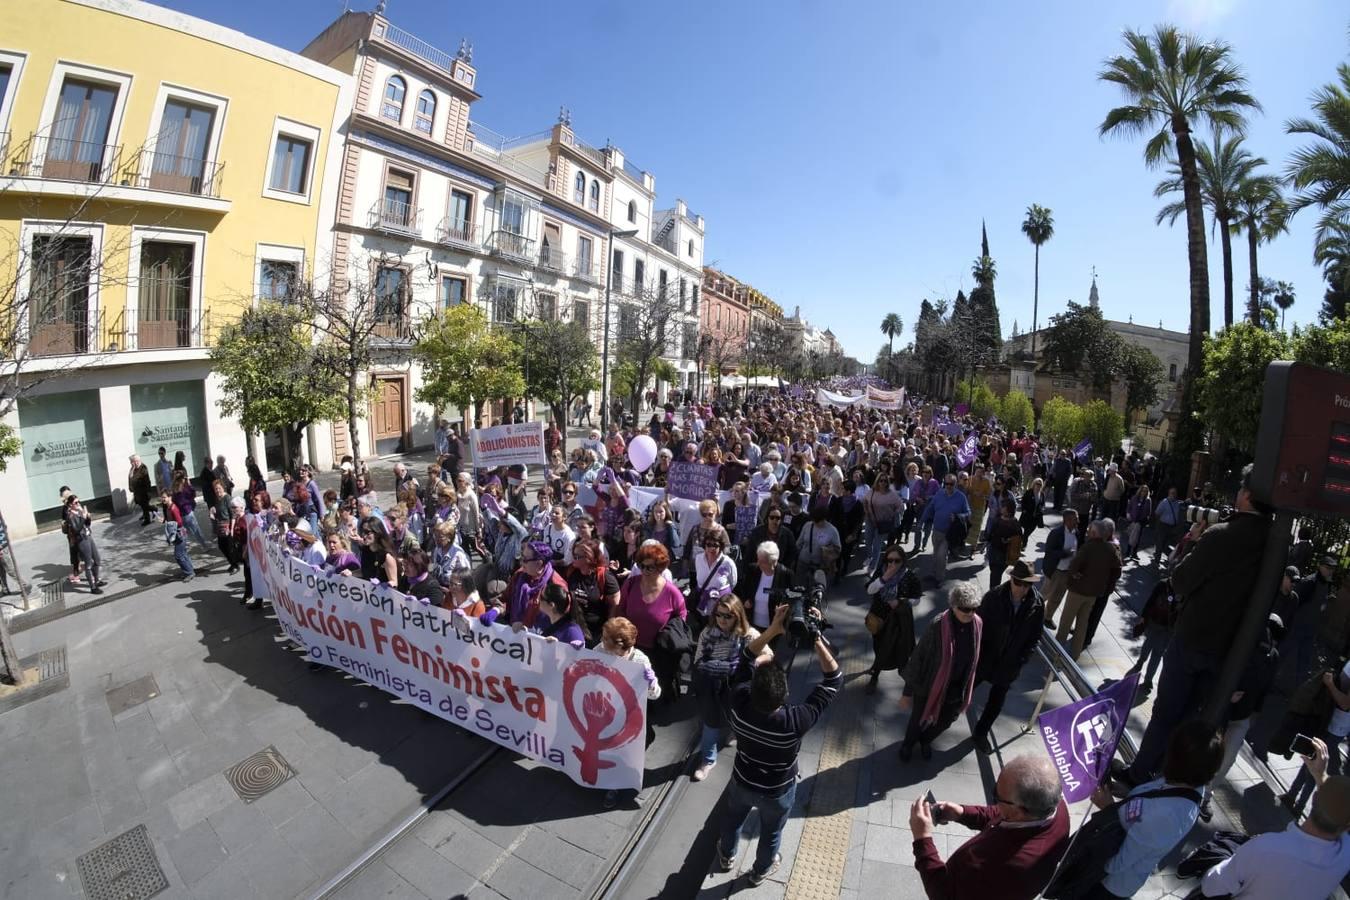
[(1320, 171), (1079, 341), (274, 375), (1229, 393), (466, 362), (982, 400), (986, 333), (1061, 422), (1143, 374), (1103, 426), (1262, 214), (561, 365), (1039, 227), (1223, 167), (1173, 83), (1015, 411), (1325, 345)]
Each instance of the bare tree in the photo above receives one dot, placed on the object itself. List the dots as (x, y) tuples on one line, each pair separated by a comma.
[(649, 325)]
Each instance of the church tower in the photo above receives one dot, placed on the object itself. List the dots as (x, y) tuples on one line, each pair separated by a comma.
[(1093, 300)]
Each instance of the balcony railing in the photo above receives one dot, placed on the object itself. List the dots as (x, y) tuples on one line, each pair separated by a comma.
[(164, 329), (182, 174), (65, 160), (585, 269), (420, 48), (64, 332), (457, 232), (396, 216), (553, 260), (510, 244), (394, 325)]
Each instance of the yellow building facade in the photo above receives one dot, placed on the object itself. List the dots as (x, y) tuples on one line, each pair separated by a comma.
[(158, 174)]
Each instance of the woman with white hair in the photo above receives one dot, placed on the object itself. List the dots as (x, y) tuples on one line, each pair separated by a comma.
[(940, 674)]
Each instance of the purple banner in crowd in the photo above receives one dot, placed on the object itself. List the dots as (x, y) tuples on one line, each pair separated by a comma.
[(960, 410), (951, 429), (691, 481), (1083, 450), (966, 454), (1082, 736)]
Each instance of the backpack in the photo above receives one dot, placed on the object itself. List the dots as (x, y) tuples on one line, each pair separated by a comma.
[(1096, 843)]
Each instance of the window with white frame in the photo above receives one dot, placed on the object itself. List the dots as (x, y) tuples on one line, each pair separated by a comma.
[(290, 162), (545, 307), (595, 196), (80, 124), (11, 71), (426, 111), (395, 89), (454, 290), (166, 281), (579, 189), (277, 279), (581, 313)]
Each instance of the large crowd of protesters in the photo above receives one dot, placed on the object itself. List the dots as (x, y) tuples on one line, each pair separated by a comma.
[(588, 550)]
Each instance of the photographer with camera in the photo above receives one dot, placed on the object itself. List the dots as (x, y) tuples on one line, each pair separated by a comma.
[(1021, 837), (1214, 583), (769, 737)]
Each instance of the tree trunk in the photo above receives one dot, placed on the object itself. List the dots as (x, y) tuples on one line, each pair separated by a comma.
[(1035, 300), (1226, 242), (9, 659), (1196, 254), (560, 418), (1254, 311), (353, 437)]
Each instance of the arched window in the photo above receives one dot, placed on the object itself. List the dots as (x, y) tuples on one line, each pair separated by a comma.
[(632, 211), (394, 91), (595, 196), (579, 191), (426, 111)]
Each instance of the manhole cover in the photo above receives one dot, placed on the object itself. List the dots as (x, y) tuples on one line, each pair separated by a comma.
[(134, 693), (124, 868), (259, 775)]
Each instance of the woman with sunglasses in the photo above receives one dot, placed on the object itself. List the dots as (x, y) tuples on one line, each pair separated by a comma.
[(774, 529), (462, 597), (379, 560), (650, 601), (593, 586), (527, 584), (557, 619), (895, 589), (714, 572), (707, 520), (940, 674), (622, 550), (719, 650)]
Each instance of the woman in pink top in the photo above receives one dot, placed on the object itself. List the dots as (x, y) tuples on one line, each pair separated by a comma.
[(649, 600)]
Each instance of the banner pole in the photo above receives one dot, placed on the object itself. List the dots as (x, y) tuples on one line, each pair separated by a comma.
[(1040, 702)]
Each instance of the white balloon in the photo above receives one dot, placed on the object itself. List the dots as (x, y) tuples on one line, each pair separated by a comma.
[(642, 452)]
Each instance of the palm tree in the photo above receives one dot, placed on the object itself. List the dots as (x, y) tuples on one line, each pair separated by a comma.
[(1261, 212), (1173, 82), (891, 326), (1321, 171), (1284, 298), (1039, 227), (1223, 166), (983, 270)]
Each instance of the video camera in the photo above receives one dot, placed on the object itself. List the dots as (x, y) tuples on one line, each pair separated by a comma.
[(801, 601), (1209, 516)]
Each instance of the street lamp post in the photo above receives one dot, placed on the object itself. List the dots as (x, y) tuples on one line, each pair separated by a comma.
[(604, 358)]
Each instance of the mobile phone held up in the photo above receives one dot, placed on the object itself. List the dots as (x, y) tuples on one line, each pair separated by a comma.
[(933, 810), (1302, 745)]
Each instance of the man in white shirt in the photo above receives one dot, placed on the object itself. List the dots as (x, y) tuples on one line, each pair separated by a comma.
[(1303, 862)]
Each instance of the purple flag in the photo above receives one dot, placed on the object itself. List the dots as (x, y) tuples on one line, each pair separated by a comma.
[(1082, 736), (966, 454), (1083, 450), (960, 410)]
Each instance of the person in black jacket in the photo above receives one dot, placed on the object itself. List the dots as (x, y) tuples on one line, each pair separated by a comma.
[(1014, 617), (1215, 582), (761, 583), (894, 589)]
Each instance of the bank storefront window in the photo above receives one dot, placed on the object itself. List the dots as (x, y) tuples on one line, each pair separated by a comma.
[(173, 416), (63, 445)]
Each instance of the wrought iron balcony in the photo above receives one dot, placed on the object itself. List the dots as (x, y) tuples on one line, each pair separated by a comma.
[(166, 172), (586, 270), (553, 260), (156, 328), (396, 217), (65, 160), (458, 233), (56, 331), (511, 245)]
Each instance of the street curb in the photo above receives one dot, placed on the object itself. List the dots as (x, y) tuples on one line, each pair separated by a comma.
[(42, 615)]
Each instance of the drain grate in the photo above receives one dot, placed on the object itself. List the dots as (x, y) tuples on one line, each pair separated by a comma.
[(52, 663), (133, 693), (259, 775), (124, 868)]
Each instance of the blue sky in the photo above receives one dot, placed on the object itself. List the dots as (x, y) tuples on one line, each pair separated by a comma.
[(844, 153)]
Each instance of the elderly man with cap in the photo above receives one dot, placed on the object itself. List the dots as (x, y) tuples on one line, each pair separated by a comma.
[(1014, 616), (1303, 862), (1020, 841)]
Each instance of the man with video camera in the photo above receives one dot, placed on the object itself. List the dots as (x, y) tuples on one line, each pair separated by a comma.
[(768, 738), (1214, 583)]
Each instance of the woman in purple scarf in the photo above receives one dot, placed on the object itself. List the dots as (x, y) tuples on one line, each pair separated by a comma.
[(940, 674), (528, 582)]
